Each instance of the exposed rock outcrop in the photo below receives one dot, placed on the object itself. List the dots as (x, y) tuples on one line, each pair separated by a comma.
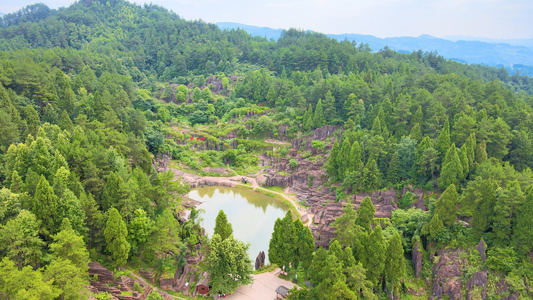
[(477, 286), (482, 248), (418, 256), (102, 280), (447, 275), (260, 260)]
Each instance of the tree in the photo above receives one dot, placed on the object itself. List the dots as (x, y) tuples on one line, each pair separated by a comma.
[(394, 263), (222, 226), (45, 205), (355, 157), (452, 169), (24, 283), (523, 227), (139, 230), (505, 211), (112, 191), (345, 228), (343, 158), (282, 246), (19, 240), (374, 255), (443, 142), (228, 264), (308, 118), (70, 246), (446, 206), (166, 239), (318, 118), (371, 177), (70, 280), (332, 167), (365, 214), (115, 234)]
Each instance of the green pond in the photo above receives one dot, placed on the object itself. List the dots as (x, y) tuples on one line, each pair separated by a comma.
[(252, 215)]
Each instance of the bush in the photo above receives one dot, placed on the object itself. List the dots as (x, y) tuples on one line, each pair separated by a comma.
[(293, 163)]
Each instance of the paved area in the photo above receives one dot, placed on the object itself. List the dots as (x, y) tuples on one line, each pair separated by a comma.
[(263, 288)]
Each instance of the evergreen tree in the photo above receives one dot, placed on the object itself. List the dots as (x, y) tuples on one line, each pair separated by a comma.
[(330, 112), (365, 214), (374, 255), (222, 226), (394, 263), (504, 212), (444, 142), (393, 172), (115, 234), (452, 169), (416, 133), (418, 117), (355, 157), (45, 206), (112, 191), (433, 227), (308, 118), (68, 245), (371, 177), (318, 118), (522, 237), (345, 228), (332, 167), (343, 158), (65, 122), (282, 246), (446, 205)]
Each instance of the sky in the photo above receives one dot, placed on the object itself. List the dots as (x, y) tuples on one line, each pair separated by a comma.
[(497, 19)]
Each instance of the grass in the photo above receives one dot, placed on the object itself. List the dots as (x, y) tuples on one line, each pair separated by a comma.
[(287, 203), (266, 269)]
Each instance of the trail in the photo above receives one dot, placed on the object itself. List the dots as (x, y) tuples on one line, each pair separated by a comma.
[(155, 289)]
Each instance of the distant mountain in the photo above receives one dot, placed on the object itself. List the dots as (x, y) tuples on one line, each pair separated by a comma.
[(515, 42), (269, 33), (471, 51)]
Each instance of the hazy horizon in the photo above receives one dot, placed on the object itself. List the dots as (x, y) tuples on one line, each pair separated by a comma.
[(492, 19)]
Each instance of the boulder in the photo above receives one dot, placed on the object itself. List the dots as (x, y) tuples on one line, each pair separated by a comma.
[(260, 260), (482, 248), (418, 256), (478, 279)]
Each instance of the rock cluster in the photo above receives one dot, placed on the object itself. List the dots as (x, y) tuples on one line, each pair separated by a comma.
[(260, 260), (102, 280), (447, 275)]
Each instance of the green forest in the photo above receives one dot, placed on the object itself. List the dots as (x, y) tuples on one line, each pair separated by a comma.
[(93, 95)]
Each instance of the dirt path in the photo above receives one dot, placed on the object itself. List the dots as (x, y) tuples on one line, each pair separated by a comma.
[(263, 288)]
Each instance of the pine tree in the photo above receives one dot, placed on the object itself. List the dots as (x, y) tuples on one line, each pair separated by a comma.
[(65, 122), (16, 183), (365, 214), (374, 256), (69, 245), (345, 228), (443, 142), (332, 167), (112, 191), (45, 206), (371, 177), (330, 112), (418, 117), (463, 157), (416, 132), (433, 227), (318, 118), (393, 172), (115, 234), (222, 226), (452, 169), (343, 158), (355, 157), (282, 246), (308, 118), (504, 212), (446, 205), (376, 126), (394, 263), (522, 237)]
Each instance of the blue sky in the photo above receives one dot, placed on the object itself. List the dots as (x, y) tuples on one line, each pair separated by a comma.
[(383, 18)]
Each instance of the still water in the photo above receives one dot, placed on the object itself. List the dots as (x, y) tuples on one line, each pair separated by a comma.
[(252, 215)]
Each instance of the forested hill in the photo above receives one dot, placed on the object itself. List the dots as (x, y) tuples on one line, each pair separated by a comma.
[(93, 94)]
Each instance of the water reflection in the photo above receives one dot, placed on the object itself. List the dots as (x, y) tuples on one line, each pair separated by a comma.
[(251, 214)]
